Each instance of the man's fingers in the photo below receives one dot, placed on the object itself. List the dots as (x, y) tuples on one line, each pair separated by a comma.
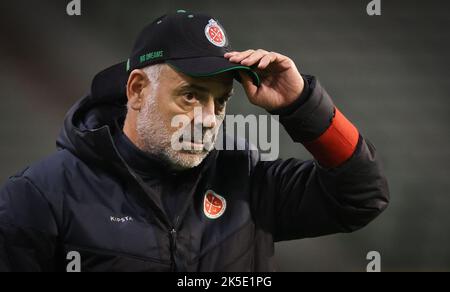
[(260, 57), (254, 58), (229, 54), (284, 61), (237, 58), (266, 60)]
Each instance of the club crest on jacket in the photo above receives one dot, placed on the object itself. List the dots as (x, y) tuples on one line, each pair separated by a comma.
[(214, 205)]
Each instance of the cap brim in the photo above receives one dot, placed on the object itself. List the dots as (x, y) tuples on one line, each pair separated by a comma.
[(210, 66)]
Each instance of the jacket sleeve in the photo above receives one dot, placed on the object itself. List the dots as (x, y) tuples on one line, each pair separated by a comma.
[(341, 190), (27, 228)]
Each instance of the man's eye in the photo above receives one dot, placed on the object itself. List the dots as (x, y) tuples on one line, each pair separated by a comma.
[(190, 96)]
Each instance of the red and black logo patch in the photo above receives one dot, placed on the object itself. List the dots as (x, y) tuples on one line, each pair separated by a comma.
[(213, 205)]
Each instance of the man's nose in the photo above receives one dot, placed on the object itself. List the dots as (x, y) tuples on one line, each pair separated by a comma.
[(209, 114)]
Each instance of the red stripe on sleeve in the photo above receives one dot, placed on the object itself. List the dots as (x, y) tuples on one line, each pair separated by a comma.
[(336, 144)]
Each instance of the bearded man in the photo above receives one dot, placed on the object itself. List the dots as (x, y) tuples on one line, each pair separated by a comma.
[(129, 189)]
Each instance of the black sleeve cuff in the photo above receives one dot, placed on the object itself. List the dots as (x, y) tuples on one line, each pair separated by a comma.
[(310, 115)]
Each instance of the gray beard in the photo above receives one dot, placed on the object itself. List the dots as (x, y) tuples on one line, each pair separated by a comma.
[(155, 138)]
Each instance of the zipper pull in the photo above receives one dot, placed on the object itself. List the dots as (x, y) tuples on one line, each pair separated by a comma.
[(173, 235), (173, 248)]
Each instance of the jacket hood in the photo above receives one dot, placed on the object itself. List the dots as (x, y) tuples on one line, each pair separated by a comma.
[(87, 127)]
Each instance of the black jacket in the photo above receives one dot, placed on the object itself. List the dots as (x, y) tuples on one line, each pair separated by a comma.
[(85, 198)]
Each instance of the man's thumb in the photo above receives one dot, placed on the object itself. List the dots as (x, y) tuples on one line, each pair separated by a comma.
[(247, 83)]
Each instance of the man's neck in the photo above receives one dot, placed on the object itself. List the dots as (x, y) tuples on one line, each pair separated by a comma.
[(129, 129)]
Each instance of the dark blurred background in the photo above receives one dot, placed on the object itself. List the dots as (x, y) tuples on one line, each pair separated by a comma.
[(389, 74)]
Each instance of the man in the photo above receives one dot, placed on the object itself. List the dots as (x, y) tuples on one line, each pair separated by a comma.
[(121, 194)]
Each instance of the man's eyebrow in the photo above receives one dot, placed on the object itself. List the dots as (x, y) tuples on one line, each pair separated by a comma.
[(203, 89)]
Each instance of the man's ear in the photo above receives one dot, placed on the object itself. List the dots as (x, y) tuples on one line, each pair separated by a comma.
[(136, 85)]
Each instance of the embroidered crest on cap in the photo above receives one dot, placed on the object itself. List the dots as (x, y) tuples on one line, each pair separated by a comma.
[(215, 33)]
